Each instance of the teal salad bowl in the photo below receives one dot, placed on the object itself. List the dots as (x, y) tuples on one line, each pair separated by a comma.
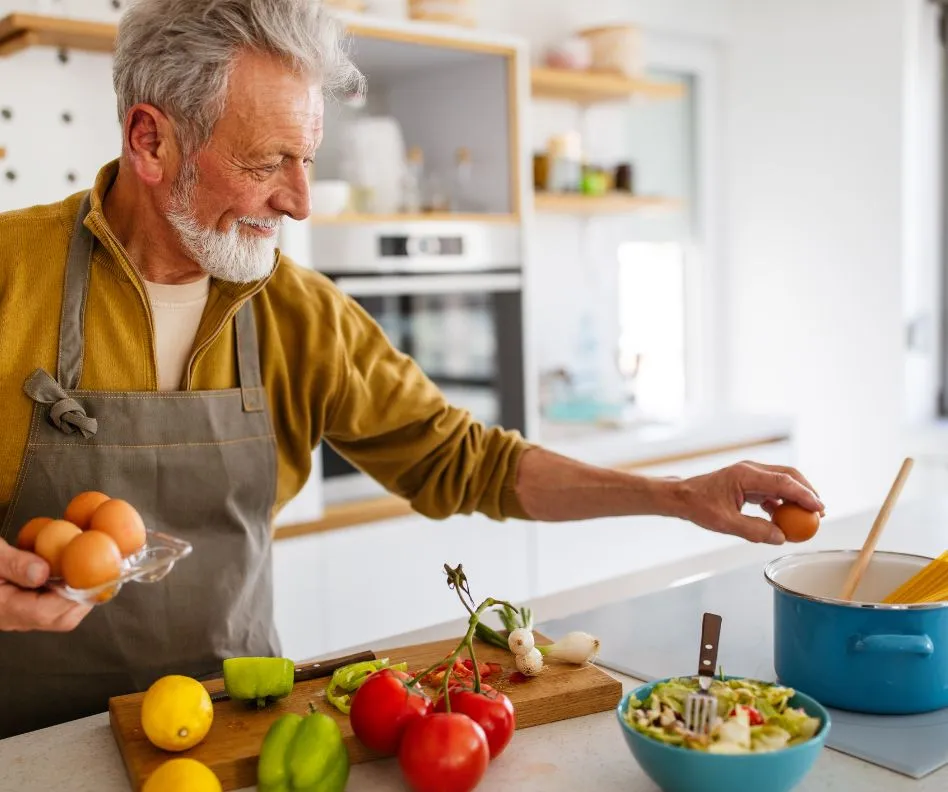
[(763, 743)]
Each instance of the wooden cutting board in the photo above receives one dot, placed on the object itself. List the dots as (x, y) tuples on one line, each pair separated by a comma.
[(232, 746)]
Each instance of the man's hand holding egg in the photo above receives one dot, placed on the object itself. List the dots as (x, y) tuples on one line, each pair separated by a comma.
[(715, 501)]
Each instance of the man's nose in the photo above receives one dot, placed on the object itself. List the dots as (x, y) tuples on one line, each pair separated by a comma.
[(292, 198)]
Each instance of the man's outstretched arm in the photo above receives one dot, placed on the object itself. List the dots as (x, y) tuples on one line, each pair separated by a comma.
[(554, 488)]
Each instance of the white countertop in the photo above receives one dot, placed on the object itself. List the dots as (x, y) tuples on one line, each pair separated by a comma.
[(580, 753)]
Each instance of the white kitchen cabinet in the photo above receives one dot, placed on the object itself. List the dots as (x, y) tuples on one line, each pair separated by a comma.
[(301, 600), (580, 553), (388, 578), (359, 584), (356, 585)]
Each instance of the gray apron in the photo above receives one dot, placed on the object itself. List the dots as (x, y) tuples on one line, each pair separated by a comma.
[(200, 465)]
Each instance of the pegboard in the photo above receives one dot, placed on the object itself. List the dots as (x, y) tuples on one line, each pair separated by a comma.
[(58, 120)]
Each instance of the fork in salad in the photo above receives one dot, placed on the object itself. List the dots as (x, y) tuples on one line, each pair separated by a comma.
[(701, 707)]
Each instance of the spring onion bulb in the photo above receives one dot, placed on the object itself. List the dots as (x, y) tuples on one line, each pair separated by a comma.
[(520, 641), (574, 647), (530, 663)]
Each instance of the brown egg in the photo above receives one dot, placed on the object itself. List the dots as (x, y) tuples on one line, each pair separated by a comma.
[(91, 559), (81, 508), (26, 539), (798, 524), (52, 540), (120, 520)]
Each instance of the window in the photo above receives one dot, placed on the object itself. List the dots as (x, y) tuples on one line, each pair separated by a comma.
[(659, 289), (652, 312)]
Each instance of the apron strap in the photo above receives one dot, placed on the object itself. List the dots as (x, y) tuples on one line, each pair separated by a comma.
[(248, 359), (66, 414), (72, 318)]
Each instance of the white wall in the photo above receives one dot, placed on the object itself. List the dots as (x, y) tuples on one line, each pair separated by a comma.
[(543, 21), (922, 209), (817, 228)]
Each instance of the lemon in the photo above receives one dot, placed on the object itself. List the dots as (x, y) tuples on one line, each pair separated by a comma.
[(176, 713), (177, 775)]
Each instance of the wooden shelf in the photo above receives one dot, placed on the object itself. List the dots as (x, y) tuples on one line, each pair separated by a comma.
[(433, 217), (588, 87), (613, 203), (19, 31)]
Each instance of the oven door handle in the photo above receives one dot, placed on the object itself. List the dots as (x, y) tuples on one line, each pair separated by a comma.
[(430, 284)]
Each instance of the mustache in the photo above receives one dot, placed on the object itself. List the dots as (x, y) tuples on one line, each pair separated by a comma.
[(261, 222)]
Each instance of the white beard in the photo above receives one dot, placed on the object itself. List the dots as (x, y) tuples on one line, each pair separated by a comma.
[(228, 256)]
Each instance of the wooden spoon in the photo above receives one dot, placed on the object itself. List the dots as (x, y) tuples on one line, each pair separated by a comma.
[(862, 560)]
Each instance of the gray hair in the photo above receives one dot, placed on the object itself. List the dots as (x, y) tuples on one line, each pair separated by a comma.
[(177, 54)]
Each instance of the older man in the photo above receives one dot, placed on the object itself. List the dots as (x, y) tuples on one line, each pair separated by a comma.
[(156, 346)]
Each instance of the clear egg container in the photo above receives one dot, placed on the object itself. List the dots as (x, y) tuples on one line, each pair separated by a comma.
[(149, 565)]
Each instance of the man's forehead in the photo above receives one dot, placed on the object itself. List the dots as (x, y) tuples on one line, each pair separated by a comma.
[(263, 82)]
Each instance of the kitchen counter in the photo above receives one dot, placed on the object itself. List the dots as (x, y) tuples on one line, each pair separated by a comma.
[(580, 753)]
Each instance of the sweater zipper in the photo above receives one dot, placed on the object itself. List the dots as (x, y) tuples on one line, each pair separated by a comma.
[(212, 336)]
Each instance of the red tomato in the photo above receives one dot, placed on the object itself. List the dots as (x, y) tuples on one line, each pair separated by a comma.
[(444, 752), (485, 669), (753, 716), (383, 707), (491, 710)]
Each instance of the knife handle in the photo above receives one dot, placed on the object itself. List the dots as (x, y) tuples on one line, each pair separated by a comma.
[(324, 668), (304, 671), (710, 635)]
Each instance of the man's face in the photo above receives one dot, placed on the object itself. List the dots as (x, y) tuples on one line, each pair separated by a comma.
[(227, 203)]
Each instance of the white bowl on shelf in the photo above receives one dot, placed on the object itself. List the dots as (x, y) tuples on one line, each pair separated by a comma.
[(329, 197)]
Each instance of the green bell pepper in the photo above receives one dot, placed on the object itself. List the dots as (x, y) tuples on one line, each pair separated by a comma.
[(350, 678), (259, 679), (303, 754)]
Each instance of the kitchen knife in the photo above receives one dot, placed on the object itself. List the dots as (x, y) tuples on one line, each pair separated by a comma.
[(306, 671)]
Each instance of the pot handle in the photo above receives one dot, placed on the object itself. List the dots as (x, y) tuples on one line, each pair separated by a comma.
[(894, 644)]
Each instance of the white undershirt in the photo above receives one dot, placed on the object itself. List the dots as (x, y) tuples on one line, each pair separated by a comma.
[(177, 311)]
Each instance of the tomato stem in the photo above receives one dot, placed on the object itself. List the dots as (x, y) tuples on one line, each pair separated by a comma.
[(458, 581), (470, 651)]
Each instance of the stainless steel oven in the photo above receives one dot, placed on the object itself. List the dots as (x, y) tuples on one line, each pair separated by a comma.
[(450, 296)]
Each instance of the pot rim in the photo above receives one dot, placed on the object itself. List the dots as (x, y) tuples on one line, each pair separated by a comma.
[(772, 566)]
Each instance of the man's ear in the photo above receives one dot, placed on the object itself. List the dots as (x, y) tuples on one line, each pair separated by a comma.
[(150, 143)]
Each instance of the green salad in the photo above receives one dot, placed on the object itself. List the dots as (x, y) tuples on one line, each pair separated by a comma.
[(752, 717)]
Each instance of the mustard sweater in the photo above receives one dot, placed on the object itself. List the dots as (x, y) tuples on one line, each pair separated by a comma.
[(329, 371)]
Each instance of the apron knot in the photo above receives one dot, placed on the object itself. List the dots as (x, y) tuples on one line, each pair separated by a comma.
[(66, 414)]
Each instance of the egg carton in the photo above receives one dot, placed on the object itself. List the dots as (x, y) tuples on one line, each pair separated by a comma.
[(149, 565)]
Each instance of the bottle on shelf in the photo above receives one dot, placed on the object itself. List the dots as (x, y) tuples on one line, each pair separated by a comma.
[(462, 199), (413, 181), (437, 198), (564, 166)]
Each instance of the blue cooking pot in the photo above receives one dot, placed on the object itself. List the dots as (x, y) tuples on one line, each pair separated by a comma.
[(860, 655)]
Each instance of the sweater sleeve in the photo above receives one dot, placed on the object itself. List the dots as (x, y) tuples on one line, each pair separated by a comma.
[(390, 421)]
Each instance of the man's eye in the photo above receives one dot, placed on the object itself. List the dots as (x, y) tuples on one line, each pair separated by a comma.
[(269, 168)]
